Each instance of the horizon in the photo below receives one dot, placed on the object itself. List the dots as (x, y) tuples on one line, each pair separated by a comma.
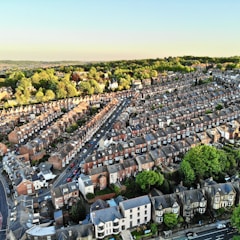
[(93, 31), (134, 59)]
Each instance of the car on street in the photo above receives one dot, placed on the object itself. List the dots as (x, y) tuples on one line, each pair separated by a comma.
[(47, 197), (220, 225), (69, 179)]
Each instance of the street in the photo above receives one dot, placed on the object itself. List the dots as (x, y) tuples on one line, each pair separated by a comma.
[(210, 234)]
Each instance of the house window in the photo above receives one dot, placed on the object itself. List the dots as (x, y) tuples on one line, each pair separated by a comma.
[(123, 227), (138, 208), (138, 221), (145, 206), (145, 219), (130, 210), (138, 214), (131, 216), (115, 224), (145, 212)]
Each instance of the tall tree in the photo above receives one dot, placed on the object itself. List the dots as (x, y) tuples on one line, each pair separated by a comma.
[(188, 172), (78, 211), (146, 179), (204, 160)]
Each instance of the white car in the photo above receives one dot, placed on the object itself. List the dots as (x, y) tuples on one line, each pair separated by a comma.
[(84, 150), (221, 225), (47, 197)]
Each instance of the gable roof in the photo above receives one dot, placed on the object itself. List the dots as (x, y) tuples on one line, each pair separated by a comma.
[(135, 202), (165, 201), (105, 215)]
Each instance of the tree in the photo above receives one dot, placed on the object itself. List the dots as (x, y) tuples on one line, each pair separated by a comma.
[(187, 172), (39, 95), (86, 88), (71, 90), (149, 178), (50, 95), (61, 91), (154, 228), (78, 211), (235, 219), (170, 219), (204, 161)]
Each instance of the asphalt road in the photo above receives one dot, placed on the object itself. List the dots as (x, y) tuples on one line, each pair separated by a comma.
[(218, 234), (212, 234), (4, 211), (81, 156)]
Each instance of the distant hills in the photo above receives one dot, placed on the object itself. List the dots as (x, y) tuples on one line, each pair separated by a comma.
[(22, 64)]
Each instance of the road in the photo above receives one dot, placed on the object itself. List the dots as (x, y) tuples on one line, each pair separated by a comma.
[(82, 155), (212, 234), (4, 210), (218, 234)]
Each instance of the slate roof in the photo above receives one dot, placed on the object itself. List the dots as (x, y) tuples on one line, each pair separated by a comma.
[(143, 159), (129, 162), (157, 153), (115, 168), (86, 180), (222, 188), (98, 170), (165, 201), (135, 202), (193, 195), (149, 137), (98, 204), (139, 140), (105, 215)]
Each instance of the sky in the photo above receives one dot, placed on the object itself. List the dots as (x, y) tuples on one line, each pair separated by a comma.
[(99, 30)]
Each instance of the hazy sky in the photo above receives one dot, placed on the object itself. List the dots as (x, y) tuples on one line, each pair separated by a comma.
[(118, 29)]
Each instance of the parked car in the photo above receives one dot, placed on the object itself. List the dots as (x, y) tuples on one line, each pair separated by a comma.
[(47, 197), (69, 179), (220, 225), (72, 164)]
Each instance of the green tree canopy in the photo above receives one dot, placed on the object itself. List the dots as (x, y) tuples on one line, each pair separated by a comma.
[(204, 160), (188, 173), (146, 179), (170, 219), (235, 219), (78, 211)]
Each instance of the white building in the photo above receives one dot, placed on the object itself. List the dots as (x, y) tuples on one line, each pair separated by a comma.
[(85, 185), (137, 211), (107, 221)]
